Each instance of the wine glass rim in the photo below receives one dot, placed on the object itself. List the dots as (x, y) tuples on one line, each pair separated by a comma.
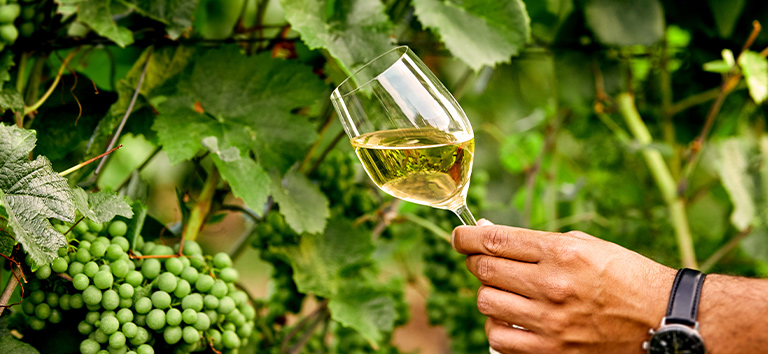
[(337, 93)]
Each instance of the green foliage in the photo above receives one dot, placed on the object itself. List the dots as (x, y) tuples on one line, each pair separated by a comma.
[(623, 23), (98, 16), (479, 32)]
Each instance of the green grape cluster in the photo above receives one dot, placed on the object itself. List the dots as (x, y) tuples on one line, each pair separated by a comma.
[(338, 180), (9, 11), (141, 305), (270, 233)]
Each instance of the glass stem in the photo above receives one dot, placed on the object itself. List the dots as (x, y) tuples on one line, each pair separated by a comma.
[(465, 215)]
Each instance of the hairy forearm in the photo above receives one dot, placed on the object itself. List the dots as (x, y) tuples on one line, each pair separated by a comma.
[(733, 315)]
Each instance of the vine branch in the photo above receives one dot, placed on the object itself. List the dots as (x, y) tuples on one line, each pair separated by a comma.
[(38, 103), (202, 207), (127, 112), (725, 249)]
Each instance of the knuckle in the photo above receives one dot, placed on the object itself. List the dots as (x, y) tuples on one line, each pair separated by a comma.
[(568, 252), (484, 269), (560, 290), (484, 302), (495, 241)]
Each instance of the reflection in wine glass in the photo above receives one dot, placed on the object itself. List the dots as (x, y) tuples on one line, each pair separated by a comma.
[(410, 134)]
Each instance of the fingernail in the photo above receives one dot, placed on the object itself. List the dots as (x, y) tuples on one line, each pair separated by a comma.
[(453, 235), (484, 222)]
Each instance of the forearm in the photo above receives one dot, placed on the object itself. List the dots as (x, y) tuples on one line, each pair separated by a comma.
[(733, 315)]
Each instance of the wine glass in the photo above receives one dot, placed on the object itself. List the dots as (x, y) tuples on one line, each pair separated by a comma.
[(410, 134), (412, 137)]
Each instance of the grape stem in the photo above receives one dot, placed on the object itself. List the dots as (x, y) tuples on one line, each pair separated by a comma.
[(10, 287), (36, 105), (202, 207), (311, 322)]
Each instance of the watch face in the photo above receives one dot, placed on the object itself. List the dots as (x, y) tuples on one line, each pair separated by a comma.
[(676, 339)]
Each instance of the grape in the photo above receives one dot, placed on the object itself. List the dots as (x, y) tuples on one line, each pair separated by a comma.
[(204, 283), (230, 339), (36, 323), (94, 226), (219, 289), (75, 268), (140, 320), (190, 334), (37, 296), (83, 255), (92, 295), (226, 305), (222, 260), (126, 290), (240, 297), (28, 307), (84, 328), (174, 265), (229, 275), (190, 274), (143, 305), (192, 248), (120, 268), (203, 321), (103, 279), (192, 301), (45, 270), (182, 289), (76, 301), (100, 336), (59, 265), (156, 319), (109, 325), (52, 299), (166, 282), (110, 300), (80, 281), (134, 278), (126, 302), (89, 346), (189, 316), (98, 249), (42, 311), (114, 252), (142, 336), (145, 349), (161, 299), (124, 316), (81, 228), (213, 315), (55, 316), (117, 340), (215, 336), (151, 268), (90, 269), (172, 334), (210, 302), (161, 250), (118, 228), (130, 330), (173, 317), (249, 312)]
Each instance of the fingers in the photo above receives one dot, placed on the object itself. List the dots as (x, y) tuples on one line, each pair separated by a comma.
[(502, 241), (505, 339), (517, 277), (508, 307)]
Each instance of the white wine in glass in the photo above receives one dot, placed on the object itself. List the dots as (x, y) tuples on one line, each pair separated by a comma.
[(410, 134)]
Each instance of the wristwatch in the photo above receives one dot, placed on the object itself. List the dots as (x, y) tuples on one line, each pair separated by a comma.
[(679, 330)]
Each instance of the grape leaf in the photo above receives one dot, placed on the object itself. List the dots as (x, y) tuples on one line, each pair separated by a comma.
[(732, 168), (6, 239), (478, 32), (353, 31), (11, 99), (302, 203), (366, 309), (136, 223), (755, 69), (623, 23), (100, 206), (98, 15), (247, 102), (6, 63), (177, 15), (31, 193), (320, 259), (9, 344), (247, 179)]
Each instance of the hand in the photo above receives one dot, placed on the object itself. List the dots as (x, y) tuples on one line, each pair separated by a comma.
[(574, 293)]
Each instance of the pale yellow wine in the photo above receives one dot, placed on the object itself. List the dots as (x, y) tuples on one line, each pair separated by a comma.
[(421, 165)]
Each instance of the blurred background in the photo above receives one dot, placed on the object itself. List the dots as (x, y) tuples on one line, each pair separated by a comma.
[(640, 122)]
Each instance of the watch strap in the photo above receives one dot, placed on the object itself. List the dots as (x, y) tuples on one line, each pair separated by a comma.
[(683, 305)]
